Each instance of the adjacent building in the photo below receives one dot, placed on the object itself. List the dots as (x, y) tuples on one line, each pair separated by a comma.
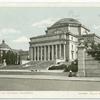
[(17, 55), (91, 38)]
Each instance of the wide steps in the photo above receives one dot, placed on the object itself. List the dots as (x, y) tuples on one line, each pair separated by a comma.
[(40, 65)]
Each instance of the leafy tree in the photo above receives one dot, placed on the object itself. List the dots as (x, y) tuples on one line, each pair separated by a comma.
[(18, 59), (11, 58), (94, 51), (72, 67), (3, 56)]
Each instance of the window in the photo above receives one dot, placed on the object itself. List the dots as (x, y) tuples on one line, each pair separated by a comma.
[(72, 47), (72, 54), (71, 38)]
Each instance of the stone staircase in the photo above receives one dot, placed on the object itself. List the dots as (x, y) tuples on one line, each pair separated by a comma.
[(38, 65), (92, 66), (45, 64)]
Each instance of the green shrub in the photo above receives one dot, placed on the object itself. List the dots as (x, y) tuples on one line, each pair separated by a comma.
[(94, 51), (73, 67), (66, 69)]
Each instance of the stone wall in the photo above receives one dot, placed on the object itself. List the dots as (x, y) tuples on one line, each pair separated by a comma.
[(92, 66), (87, 65), (81, 61)]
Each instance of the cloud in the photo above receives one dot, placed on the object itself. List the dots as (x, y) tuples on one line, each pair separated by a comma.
[(45, 22), (22, 39), (14, 38), (96, 27), (9, 33), (5, 31)]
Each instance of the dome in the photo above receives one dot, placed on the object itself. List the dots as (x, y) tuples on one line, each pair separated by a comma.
[(3, 45), (66, 21)]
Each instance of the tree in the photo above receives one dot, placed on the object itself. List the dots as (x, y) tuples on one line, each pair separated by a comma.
[(11, 57), (94, 51), (19, 58), (3, 56), (72, 67)]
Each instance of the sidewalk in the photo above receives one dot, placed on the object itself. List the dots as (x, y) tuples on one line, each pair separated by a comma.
[(49, 77)]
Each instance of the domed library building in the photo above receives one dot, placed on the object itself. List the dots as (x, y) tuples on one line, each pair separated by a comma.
[(60, 41)]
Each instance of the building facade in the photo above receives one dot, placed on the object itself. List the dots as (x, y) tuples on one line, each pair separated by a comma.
[(4, 48), (59, 42), (91, 38), (7, 54)]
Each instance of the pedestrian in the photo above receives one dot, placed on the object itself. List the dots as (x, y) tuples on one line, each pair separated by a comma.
[(70, 74)]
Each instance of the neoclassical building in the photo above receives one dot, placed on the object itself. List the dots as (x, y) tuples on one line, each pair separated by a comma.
[(60, 41), (20, 54)]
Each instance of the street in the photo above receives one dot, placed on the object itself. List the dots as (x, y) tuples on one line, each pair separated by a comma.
[(47, 83)]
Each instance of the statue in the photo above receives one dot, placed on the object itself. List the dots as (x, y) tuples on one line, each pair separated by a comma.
[(4, 63), (70, 74)]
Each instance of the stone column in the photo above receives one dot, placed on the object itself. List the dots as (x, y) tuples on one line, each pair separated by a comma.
[(45, 53), (60, 51), (35, 53), (52, 52), (41, 53), (64, 52), (48, 52), (38, 53), (31, 53), (56, 52), (81, 61)]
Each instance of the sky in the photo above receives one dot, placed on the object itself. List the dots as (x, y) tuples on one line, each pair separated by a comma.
[(19, 24)]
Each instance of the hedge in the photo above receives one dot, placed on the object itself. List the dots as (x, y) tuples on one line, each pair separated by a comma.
[(58, 67)]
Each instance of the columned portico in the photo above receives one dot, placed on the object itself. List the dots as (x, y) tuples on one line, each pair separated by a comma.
[(48, 52)]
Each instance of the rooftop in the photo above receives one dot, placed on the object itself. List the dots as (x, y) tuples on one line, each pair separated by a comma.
[(66, 21), (4, 45)]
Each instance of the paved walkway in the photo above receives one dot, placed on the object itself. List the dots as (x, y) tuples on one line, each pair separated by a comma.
[(13, 70), (50, 77), (23, 70)]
